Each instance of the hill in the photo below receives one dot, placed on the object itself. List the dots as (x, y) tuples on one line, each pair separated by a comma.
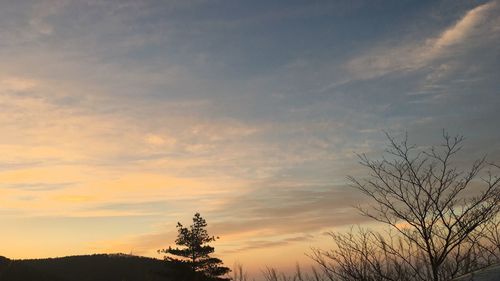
[(103, 267)]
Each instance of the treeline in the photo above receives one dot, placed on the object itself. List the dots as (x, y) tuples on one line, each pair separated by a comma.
[(85, 268)]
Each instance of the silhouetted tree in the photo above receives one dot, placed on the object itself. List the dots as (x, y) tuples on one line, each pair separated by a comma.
[(441, 216), (195, 253)]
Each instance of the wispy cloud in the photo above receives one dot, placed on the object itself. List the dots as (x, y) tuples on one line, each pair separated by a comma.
[(266, 244), (409, 56)]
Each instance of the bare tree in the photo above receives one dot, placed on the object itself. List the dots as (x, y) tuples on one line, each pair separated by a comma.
[(272, 274), (489, 241), (440, 210), (239, 274), (365, 255)]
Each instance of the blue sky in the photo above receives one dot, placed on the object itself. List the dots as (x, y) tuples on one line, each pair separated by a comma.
[(120, 118)]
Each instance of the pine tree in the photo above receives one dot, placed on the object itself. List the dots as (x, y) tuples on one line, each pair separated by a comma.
[(195, 252)]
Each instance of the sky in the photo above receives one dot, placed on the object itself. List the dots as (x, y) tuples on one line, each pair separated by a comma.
[(120, 118)]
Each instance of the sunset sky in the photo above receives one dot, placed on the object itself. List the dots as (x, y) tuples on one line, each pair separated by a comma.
[(120, 118)]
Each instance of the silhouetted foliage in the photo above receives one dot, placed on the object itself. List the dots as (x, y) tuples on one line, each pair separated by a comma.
[(195, 262)]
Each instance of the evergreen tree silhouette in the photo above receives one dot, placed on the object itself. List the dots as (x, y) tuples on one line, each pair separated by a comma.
[(193, 260)]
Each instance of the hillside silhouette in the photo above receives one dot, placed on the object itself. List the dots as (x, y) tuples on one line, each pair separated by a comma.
[(102, 267)]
